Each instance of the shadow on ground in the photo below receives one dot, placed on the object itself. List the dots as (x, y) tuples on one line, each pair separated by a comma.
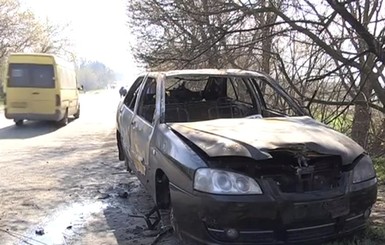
[(92, 199), (27, 130)]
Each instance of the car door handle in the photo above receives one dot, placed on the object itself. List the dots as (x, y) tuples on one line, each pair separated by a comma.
[(35, 93)]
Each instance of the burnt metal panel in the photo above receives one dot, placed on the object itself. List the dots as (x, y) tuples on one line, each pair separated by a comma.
[(255, 137)]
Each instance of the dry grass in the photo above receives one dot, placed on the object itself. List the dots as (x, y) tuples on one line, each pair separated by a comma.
[(375, 232)]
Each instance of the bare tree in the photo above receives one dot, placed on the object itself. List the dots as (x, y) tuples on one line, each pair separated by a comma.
[(204, 33), (332, 47), (21, 31)]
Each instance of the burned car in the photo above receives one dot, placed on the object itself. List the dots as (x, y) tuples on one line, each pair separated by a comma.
[(237, 161)]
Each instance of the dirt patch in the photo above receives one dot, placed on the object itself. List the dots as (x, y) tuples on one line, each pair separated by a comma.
[(378, 213)]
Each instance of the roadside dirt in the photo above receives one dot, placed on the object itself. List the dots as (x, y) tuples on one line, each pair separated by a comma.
[(378, 213), (66, 186)]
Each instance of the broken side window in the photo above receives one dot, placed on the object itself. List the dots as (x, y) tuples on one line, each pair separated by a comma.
[(146, 106), (131, 95)]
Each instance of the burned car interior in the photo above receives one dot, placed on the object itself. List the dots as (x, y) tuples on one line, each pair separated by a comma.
[(197, 98)]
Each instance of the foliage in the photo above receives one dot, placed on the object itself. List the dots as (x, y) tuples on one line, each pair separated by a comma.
[(379, 165), (22, 31), (94, 75), (331, 47)]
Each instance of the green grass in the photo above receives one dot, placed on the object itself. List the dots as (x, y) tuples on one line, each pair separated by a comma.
[(374, 234), (379, 165)]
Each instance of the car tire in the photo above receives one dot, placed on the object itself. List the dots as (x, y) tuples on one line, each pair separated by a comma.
[(121, 154), (77, 114), (64, 121), (19, 122)]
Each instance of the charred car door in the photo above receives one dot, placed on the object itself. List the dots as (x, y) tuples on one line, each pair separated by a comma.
[(126, 114), (142, 129)]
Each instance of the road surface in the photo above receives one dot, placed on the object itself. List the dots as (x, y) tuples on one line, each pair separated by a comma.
[(66, 185)]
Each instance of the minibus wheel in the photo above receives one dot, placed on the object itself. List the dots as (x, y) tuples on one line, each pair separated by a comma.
[(77, 114), (19, 122), (64, 120)]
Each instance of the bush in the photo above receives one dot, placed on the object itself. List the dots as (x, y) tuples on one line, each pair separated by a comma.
[(379, 165)]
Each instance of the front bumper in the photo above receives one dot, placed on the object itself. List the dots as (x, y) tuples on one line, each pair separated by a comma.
[(272, 218)]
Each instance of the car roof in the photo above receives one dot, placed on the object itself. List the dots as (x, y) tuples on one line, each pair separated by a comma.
[(218, 72)]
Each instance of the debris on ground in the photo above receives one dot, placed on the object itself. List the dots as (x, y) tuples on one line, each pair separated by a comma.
[(123, 194), (39, 231), (103, 196)]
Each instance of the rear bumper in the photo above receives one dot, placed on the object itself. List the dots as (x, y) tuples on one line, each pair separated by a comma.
[(266, 219), (58, 115)]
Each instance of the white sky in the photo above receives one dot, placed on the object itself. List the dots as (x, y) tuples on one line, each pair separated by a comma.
[(97, 29)]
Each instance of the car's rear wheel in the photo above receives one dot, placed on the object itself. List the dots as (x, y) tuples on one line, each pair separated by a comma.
[(19, 122), (120, 147)]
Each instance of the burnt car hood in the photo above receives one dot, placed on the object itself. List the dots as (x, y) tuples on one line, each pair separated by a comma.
[(254, 138)]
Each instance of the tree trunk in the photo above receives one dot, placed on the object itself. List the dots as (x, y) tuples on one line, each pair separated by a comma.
[(362, 112), (266, 51)]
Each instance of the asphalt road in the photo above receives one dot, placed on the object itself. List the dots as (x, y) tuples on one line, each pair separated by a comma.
[(66, 185)]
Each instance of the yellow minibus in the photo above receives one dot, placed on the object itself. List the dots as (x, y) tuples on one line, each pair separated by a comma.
[(40, 87)]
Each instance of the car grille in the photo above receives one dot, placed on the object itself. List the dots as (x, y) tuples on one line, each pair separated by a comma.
[(287, 172), (319, 174), (310, 233)]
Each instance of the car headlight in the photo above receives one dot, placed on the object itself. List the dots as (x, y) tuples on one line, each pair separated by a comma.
[(222, 182), (364, 170)]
